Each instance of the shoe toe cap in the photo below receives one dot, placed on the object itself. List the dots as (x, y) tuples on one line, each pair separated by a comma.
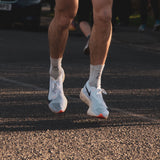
[(56, 107)]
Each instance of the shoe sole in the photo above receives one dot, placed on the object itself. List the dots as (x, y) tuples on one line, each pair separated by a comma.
[(86, 51), (61, 111), (86, 100), (157, 28)]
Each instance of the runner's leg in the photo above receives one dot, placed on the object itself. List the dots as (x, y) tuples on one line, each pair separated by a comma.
[(101, 31), (100, 39), (65, 11), (99, 44)]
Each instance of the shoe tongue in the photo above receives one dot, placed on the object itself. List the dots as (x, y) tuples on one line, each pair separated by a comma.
[(58, 79), (94, 89)]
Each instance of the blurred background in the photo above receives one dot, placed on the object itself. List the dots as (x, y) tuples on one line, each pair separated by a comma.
[(33, 14)]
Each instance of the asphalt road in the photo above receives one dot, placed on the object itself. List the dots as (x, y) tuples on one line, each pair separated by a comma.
[(28, 130)]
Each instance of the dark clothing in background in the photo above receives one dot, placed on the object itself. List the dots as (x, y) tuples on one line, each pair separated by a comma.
[(144, 10), (85, 11), (121, 9), (52, 4)]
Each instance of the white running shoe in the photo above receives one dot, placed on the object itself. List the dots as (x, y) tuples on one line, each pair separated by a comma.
[(58, 101), (93, 98)]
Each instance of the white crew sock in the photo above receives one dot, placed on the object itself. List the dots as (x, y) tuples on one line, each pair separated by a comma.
[(55, 67), (95, 75)]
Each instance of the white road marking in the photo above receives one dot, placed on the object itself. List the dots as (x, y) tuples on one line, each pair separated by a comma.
[(21, 84), (136, 115)]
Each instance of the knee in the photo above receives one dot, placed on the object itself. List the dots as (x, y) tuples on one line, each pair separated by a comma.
[(61, 21), (103, 16), (64, 21)]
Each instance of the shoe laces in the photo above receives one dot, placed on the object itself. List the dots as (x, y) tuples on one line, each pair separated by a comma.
[(100, 91), (55, 88), (99, 96)]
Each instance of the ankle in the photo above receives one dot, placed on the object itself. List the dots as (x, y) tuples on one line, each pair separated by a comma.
[(55, 67), (95, 75)]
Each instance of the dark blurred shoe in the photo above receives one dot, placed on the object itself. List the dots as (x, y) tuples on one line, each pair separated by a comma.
[(142, 28), (86, 50), (156, 26)]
